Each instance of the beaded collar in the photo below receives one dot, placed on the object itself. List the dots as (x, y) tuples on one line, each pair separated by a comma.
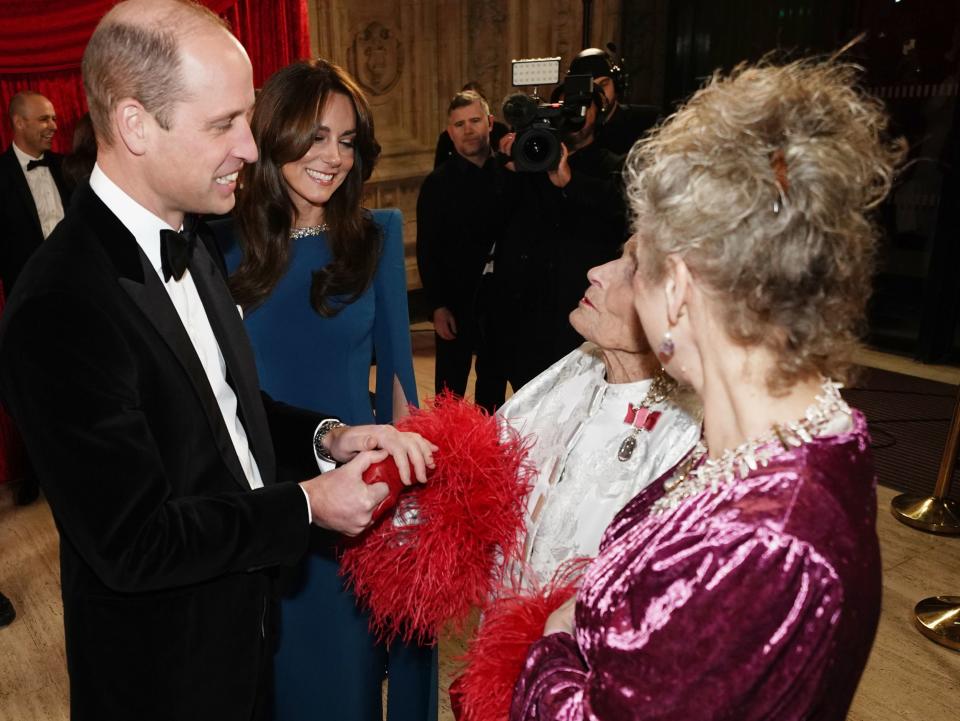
[(298, 233), (698, 473)]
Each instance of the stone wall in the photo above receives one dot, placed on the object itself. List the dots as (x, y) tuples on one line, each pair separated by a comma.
[(411, 57)]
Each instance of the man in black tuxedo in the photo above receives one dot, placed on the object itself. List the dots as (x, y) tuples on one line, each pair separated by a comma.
[(33, 196), (125, 363)]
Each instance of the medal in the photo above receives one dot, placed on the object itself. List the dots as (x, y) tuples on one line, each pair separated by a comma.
[(642, 419)]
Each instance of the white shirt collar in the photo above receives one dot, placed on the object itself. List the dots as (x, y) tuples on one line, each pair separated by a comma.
[(144, 225), (23, 157)]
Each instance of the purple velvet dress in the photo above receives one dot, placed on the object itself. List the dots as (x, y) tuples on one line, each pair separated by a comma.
[(757, 600)]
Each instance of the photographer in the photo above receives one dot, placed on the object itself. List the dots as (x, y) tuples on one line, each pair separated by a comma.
[(560, 223), (623, 124)]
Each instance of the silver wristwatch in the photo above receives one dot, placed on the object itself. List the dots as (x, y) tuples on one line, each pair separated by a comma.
[(323, 429)]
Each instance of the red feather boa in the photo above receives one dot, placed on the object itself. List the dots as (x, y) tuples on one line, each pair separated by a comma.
[(428, 564), (495, 656)]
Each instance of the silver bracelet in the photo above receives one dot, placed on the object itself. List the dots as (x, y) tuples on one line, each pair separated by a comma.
[(323, 429)]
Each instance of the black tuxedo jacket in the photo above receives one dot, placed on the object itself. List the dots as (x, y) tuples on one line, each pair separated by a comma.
[(20, 231), (165, 550)]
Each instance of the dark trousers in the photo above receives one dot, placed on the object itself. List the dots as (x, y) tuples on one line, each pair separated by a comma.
[(475, 335)]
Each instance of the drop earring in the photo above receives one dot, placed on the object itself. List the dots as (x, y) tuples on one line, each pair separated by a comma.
[(666, 348)]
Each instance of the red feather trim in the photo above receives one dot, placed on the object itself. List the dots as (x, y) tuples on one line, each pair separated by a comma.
[(495, 656), (426, 565)]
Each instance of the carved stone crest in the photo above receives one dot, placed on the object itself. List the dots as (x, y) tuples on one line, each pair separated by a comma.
[(376, 58)]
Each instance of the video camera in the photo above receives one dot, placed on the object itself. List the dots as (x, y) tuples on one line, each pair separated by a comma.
[(540, 126)]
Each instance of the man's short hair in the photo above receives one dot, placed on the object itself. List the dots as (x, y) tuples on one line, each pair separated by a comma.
[(468, 97), (127, 60), (19, 101)]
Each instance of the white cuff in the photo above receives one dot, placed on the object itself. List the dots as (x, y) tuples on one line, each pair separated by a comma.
[(309, 510)]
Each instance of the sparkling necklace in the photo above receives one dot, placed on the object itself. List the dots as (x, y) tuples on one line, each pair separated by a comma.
[(641, 418), (693, 476), (298, 233)]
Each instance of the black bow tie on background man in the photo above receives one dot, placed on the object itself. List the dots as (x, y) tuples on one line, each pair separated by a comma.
[(176, 248), (44, 161)]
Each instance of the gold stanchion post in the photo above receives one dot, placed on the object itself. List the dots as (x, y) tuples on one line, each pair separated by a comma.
[(936, 513), (938, 618)]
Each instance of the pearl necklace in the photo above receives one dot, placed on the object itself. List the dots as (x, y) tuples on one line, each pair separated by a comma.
[(692, 477), (298, 233)]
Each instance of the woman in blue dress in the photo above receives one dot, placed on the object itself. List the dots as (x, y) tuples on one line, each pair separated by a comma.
[(323, 286)]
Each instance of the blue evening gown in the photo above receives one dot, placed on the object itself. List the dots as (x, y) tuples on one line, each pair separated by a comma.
[(327, 665)]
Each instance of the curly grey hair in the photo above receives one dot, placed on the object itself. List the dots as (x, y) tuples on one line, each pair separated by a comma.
[(763, 183)]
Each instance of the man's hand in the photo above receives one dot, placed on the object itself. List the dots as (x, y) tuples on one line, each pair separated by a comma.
[(409, 450), (341, 501), (561, 176), (561, 620), (444, 323)]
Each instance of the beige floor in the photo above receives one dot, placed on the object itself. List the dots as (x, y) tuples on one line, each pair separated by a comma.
[(907, 679)]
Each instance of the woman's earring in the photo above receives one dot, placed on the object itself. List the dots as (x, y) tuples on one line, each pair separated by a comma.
[(666, 348)]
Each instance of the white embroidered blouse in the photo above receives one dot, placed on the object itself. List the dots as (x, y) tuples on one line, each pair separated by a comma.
[(577, 421)]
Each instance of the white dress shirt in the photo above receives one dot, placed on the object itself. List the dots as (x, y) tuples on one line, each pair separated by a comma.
[(43, 188), (146, 227)]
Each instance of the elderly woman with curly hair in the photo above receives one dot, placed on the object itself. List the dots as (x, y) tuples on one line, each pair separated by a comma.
[(745, 583)]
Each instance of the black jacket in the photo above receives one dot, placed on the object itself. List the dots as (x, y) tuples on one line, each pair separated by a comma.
[(552, 238), (165, 550), (20, 231), (628, 124), (460, 215)]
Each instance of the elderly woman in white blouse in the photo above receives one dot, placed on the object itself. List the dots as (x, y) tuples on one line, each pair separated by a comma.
[(606, 420)]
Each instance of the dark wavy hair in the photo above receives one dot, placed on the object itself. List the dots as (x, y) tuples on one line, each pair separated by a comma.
[(285, 121)]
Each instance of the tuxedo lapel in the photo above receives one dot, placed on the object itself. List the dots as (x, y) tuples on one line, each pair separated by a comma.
[(153, 300), (237, 353), (141, 283), (22, 189)]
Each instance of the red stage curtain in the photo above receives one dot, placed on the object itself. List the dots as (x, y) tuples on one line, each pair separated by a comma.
[(42, 42)]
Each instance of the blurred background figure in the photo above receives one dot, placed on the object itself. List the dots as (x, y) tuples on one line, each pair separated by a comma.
[(445, 146), (33, 197), (559, 224), (460, 216), (78, 165), (622, 125)]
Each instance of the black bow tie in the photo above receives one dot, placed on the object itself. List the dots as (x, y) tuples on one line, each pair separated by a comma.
[(176, 249), (31, 164)]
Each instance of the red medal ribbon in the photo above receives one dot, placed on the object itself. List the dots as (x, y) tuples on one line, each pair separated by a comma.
[(641, 417)]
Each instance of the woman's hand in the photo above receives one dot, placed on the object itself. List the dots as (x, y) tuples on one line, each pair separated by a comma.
[(409, 450), (561, 620)]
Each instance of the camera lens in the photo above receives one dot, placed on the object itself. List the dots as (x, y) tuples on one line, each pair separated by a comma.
[(537, 149)]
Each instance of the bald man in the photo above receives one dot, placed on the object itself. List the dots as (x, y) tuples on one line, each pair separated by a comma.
[(125, 363), (33, 194)]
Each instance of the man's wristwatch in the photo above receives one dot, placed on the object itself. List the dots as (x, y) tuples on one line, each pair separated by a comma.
[(323, 429)]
